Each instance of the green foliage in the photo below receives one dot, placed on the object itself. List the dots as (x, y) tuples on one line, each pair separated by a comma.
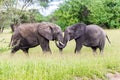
[(3, 49), (66, 15), (101, 12), (106, 13), (31, 16), (4, 41), (12, 13)]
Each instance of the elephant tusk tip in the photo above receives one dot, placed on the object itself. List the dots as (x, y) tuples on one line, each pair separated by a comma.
[(61, 43)]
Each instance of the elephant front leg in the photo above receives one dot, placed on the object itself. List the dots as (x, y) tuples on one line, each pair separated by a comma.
[(45, 47), (78, 46), (101, 50), (25, 50), (94, 50)]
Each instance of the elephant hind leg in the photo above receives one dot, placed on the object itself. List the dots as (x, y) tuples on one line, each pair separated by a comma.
[(94, 50), (101, 50), (101, 47)]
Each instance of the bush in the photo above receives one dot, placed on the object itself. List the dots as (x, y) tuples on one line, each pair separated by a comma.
[(101, 12)]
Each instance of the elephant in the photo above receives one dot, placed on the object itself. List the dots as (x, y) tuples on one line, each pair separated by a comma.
[(14, 27), (30, 35), (85, 35)]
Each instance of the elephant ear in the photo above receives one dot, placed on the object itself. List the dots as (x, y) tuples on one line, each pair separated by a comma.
[(45, 31), (79, 30)]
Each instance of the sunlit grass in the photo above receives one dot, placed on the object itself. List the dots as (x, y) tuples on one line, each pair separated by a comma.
[(56, 66)]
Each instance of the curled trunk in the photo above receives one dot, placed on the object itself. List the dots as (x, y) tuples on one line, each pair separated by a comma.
[(64, 43), (60, 45)]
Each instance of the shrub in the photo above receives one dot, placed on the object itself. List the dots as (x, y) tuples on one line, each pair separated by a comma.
[(101, 12)]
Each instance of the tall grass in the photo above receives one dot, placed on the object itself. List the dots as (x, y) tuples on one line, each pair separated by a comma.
[(66, 66)]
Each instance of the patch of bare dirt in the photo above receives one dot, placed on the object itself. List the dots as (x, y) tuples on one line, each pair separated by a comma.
[(86, 78), (111, 76)]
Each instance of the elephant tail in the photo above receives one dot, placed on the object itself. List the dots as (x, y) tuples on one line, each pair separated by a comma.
[(108, 39)]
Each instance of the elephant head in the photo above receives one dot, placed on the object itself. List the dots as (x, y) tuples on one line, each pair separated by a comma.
[(51, 32), (72, 32), (15, 42)]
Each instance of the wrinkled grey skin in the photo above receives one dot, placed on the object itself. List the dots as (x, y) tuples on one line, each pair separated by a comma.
[(29, 35), (88, 35)]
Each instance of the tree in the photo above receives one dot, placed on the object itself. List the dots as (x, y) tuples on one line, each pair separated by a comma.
[(101, 12), (11, 11), (70, 12)]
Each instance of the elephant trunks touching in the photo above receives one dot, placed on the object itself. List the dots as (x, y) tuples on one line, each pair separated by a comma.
[(59, 44)]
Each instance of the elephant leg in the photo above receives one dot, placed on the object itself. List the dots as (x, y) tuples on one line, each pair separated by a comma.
[(25, 50), (101, 47), (14, 50), (45, 46), (78, 46), (94, 50)]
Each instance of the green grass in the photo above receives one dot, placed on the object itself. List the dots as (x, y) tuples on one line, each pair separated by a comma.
[(66, 66)]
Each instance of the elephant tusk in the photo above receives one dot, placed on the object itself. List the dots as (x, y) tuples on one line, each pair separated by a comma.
[(57, 42), (61, 43)]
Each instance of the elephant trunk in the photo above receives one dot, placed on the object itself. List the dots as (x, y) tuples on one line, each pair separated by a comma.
[(62, 45)]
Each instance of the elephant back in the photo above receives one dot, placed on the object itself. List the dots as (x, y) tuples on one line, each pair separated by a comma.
[(27, 29), (95, 30)]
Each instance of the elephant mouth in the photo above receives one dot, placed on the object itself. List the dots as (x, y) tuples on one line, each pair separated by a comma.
[(59, 44)]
